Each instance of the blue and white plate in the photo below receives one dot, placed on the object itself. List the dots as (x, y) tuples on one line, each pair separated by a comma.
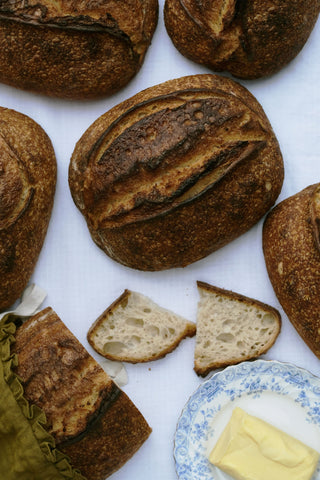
[(282, 394)]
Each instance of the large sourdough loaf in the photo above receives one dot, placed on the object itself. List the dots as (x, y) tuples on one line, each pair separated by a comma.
[(176, 172), (291, 248), (27, 187), (90, 418), (231, 328), (74, 49), (249, 39)]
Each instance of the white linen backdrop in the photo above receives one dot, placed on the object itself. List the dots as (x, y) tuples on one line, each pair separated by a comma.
[(82, 281)]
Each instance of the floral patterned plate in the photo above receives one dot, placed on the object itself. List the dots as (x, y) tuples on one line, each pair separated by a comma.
[(282, 394)]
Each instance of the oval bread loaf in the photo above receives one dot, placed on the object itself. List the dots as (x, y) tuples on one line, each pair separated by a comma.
[(176, 172), (249, 39), (27, 187), (74, 49), (291, 248)]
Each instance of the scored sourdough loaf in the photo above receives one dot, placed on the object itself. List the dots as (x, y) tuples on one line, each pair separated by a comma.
[(135, 329), (92, 421), (27, 186), (231, 328), (74, 49), (249, 39), (291, 249), (179, 170)]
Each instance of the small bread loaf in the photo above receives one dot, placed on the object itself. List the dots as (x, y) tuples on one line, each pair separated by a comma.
[(27, 187), (92, 421), (291, 248), (74, 49), (176, 172), (231, 328), (249, 39), (135, 329)]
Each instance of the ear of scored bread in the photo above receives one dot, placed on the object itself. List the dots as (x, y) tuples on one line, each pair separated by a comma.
[(231, 328), (90, 418), (135, 329)]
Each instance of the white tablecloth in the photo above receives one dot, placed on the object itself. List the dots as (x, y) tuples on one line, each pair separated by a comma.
[(82, 281)]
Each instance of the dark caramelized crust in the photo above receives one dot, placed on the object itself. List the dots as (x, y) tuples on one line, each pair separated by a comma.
[(90, 418), (74, 49), (176, 172), (27, 186), (250, 39), (292, 255)]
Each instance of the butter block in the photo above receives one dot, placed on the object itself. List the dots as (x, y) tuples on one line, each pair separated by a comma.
[(252, 449)]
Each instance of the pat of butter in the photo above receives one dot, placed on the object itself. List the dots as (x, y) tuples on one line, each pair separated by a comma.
[(251, 449)]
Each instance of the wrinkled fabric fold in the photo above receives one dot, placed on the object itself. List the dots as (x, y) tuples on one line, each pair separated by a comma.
[(27, 450)]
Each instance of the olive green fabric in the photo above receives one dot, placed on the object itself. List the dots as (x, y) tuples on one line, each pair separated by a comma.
[(27, 451)]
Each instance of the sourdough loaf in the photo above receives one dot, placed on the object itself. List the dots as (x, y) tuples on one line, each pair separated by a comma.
[(90, 418), (74, 49), (249, 39), (27, 187), (292, 254), (231, 328), (176, 172), (135, 329)]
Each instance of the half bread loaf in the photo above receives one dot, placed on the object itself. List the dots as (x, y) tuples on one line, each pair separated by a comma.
[(92, 421), (135, 329), (231, 328)]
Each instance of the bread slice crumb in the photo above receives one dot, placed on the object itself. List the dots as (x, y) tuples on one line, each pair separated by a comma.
[(135, 329), (231, 328)]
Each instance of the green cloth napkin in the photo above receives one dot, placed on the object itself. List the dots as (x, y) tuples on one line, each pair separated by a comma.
[(27, 450)]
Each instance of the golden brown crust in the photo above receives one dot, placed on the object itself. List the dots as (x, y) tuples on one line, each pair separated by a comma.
[(176, 172), (250, 39), (27, 187), (90, 418), (292, 255), (74, 49)]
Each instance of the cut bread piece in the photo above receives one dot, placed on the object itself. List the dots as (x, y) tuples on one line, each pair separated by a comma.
[(135, 329), (231, 328)]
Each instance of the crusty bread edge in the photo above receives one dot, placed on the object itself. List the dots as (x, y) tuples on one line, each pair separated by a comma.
[(203, 372)]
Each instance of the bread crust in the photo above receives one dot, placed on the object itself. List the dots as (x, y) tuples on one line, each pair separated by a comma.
[(204, 371), (292, 256), (74, 49), (176, 172), (90, 418), (27, 187), (249, 39)]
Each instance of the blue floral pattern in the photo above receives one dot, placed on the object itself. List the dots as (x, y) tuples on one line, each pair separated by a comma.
[(247, 379)]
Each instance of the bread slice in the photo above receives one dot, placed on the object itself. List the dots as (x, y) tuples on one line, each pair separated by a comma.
[(135, 329), (231, 328)]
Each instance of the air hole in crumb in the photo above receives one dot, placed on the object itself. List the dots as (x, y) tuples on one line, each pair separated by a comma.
[(153, 330), (268, 319), (135, 322), (225, 337), (113, 347)]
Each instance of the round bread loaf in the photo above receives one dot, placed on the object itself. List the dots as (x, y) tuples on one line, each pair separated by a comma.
[(27, 187), (249, 39), (291, 248), (74, 49), (176, 172)]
